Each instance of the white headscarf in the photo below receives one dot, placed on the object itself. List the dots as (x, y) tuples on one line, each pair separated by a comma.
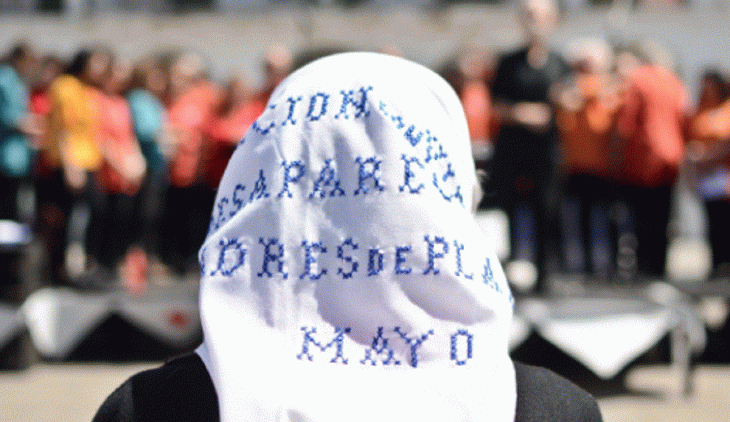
[(344, 278)]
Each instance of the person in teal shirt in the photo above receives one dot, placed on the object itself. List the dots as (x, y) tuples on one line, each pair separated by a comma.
[(149, 119), (16, 126)]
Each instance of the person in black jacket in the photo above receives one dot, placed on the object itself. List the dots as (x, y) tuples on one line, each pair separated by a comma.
[(523, 174)]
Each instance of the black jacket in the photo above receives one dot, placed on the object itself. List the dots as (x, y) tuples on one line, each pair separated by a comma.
[(182, 391)]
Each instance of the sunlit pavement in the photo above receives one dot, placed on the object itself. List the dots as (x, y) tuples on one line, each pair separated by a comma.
[(73, 392)]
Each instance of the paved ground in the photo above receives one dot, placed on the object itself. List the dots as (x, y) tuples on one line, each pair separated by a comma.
[(72, 392)]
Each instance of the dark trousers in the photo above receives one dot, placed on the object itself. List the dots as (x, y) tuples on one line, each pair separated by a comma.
[(67, 216), (9, 188), (718, 213), (116, 230), (586, 225), (649, 208), (534, 228), (184, 225)]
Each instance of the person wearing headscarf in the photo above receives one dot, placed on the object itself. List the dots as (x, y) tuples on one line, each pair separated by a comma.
[(343, 276)]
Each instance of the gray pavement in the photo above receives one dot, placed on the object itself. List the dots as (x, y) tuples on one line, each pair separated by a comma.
[(73, 392)]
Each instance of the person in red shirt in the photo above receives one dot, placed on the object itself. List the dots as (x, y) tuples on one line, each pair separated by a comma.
[(122, 170), (651, 126), (191, 105), (50, 215), (236, 113)]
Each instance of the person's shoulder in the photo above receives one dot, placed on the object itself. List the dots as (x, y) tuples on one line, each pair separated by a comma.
[(7, 74), (66, 86), (543, 395), (180, 390)]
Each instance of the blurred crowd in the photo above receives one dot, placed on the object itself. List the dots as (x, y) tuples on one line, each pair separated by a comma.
[(114, 164), (583, 151)]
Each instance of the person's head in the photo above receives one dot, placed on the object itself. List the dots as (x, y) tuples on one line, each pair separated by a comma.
[(91, 65), (591, 56), (277, 65), (628, 59), (148, 74), (538, 19), (237, 92), (476, 64), (342, 250), (118, 77), (714, 90), (24, 59), (656, 54), (185, 69), (49, 69)]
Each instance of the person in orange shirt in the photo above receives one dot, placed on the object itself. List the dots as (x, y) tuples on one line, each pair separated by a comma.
[(586, 114), (476, 99), (708, 159), (651, 126)]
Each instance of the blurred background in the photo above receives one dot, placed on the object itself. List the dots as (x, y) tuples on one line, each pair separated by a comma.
[(601, 130)]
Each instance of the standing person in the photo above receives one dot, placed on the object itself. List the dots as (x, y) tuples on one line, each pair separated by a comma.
[(75, 154), (652, 128), (708, 156), (523, 169), (192, 101), (587, 110), (50, 223), (474, 67), (349, 287), (277, 65), (40, 100), (121, 175), (151, 127), (41, 104), (17, 123), (235, 115)]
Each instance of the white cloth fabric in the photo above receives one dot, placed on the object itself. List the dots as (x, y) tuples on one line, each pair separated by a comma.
[(344, 276)]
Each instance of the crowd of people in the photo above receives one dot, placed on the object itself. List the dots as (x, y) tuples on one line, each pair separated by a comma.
[(585, 149), (121, 159), (581, 151)]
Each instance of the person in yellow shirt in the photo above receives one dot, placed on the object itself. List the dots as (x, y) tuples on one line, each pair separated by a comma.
[(74, 149)]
